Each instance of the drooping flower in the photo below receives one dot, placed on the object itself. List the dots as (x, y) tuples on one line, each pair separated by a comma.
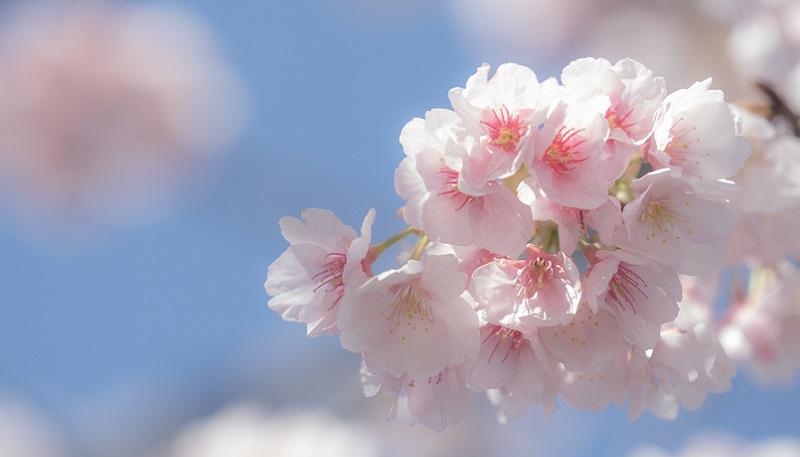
[(436, 401), (412, 321), (515, 368), (685, 366), (588, 343), (595, 390), (541, 290), (308, 281), (640, 294)]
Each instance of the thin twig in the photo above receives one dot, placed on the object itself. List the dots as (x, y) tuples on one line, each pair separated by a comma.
[(778, 106)]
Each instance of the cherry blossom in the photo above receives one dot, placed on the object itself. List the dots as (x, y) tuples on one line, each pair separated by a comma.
[(542, 290), (565, 161), (686, 364), (642, 295), (697, 132), (504, 112), (675, 222), (435, 401), (308, 281), (429, 179), (413, 320), (763, 329), (514, 369)]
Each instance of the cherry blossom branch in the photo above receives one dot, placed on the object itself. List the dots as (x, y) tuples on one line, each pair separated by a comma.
[(376, 250)]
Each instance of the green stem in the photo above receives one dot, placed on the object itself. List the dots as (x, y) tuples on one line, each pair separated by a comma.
[(420, 247), (377, 250)]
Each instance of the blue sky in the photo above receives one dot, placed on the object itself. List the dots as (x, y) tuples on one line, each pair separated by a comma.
[(177, 307)]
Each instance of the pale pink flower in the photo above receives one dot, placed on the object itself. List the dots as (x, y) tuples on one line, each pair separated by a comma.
[(566, 159), (698, 133), (595, 390), (634, 92), (685, 366), (770, 179), (634, 95), (326, 258), (766, 238), (587, 343), (429, 180), (504, 112), (415, 320), (541, 290), (435, 401), (768, 199), (108, 107), (763, 330), (676, 222), (516, 368), (640, 294)]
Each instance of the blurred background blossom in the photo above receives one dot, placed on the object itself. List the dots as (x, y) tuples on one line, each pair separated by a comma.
[(108, 109), (24, 432), (145, 342), (720, 445)]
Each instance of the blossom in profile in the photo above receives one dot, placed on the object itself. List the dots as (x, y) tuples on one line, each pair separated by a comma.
[(326, 258), (108, 108)]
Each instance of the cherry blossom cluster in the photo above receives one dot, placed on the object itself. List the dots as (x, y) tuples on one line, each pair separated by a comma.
[(557, 224)]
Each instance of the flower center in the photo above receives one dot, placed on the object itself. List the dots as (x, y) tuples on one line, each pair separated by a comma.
[(535, 275), (562, 154), (617, 117), (505, 130), (407, 307), (679, 144), (662, 218), (331, 276), (511, 339), (625, 288), (450, 188)]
